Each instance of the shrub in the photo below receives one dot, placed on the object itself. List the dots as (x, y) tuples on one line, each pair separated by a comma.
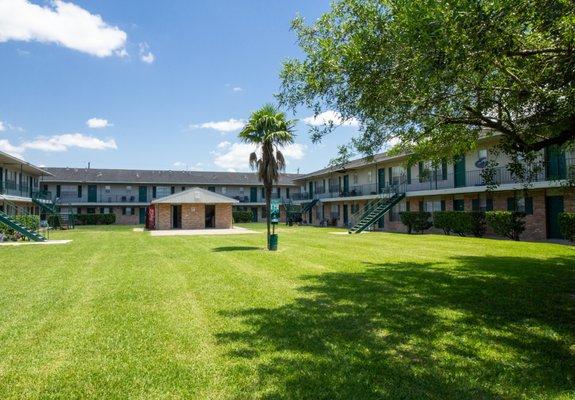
[(460, 222), (242, 216), (53, 221), (567, 225), (95, 219), (31, 222), (416, 221), (478, 223), (506, 223)]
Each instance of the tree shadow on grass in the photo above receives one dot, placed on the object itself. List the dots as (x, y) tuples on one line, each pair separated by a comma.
[(486, 328), (235, 248)]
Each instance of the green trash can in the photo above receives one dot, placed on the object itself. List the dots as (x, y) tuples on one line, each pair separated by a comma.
[(274, 242)]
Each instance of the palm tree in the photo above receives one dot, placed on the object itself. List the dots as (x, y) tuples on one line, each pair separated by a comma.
[(269, 130)]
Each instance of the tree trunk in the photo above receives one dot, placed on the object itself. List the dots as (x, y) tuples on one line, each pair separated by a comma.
[(268, 190)]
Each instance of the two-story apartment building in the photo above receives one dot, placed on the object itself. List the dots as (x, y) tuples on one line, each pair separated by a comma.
[(127, 193), (340, 193), (19, 181)]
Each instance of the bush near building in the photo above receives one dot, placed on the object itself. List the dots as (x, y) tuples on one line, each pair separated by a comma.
[(416, 221), (31, 222), (460, 222), (567, 225), (95, 219), (242, 216), (509, 224)]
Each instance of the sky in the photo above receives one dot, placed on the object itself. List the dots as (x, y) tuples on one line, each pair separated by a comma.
[(149, 85)]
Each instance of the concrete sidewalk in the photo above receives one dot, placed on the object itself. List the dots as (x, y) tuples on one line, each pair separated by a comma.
[(196, 232)]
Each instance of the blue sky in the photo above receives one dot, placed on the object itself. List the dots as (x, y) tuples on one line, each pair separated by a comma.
[(165, 85)]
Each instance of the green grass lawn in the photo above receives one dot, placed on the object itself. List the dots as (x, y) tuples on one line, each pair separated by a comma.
[(120, 314)]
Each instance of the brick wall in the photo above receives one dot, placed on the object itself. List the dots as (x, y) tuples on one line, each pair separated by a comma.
[(224, 216), (163, 216), (193, 216)]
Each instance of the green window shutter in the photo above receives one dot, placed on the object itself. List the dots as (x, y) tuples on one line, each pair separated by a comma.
[(511, 204), (390, 176), (153, 192), (442, 205), (420, 205), (420, 171), (407, 206), (489, 205), (475, 204), (444, 169), (529, 205), (409, 174)]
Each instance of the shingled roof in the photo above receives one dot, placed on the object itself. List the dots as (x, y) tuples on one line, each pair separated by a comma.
[(195, 196), (160, 177)]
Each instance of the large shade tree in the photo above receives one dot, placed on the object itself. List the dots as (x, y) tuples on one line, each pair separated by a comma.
[(269, 130), (438, 75)]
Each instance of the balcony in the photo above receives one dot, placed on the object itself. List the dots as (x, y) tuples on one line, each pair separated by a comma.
[(437, 181), (12, 188)]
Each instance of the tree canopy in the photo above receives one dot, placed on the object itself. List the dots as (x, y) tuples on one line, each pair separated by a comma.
[(437, 75)]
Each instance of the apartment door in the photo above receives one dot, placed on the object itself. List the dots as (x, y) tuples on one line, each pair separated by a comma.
[(459, 171), (380, 180), (554, 208), (142, 215), (210, 216), (177, 217), (345, 185), (254, 194), (555, 165), (255, 212), (92, 193), (143, 194)]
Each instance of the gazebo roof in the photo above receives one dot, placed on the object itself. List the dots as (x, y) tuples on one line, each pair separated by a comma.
[(195, 196)]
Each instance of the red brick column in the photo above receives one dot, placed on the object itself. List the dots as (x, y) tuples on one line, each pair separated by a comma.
[(224, 218)]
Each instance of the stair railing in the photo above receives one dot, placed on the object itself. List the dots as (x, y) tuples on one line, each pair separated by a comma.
[(23, 211)]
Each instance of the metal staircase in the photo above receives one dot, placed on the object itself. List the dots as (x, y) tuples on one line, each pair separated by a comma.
[(308, 206), (44, 201), (374, 211), (7, 220)]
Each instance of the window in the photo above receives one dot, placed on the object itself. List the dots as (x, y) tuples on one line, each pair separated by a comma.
[(279, 192), (433, 205), (107, 189), (172, 190), (127, 211), (520, 204), (79, 191), (128, 188), (369, 176), (162, 191), (482, 153), (355, 179), (183, 188), (224, 190), (91, 210), (458, 205)]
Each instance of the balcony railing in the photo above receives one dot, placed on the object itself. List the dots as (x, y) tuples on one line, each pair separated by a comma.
[(12, 188), (436, 181)]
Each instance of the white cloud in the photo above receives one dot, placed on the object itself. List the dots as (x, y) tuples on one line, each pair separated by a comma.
[(9, 148), (97, 123), (231, 125), (294, 150), (235, 156), (237, 89), (327, 117), (60, 22), (65, 141), (2, 127), (145, 53)]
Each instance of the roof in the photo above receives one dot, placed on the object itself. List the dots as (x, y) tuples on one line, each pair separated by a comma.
[(195, 196), (160, 177), (7, 159), (353, 164)]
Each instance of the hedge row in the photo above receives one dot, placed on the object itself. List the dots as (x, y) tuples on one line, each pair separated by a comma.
[(504, 223), (95, 219), (460, 222), (567, 225), (242, 216)]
